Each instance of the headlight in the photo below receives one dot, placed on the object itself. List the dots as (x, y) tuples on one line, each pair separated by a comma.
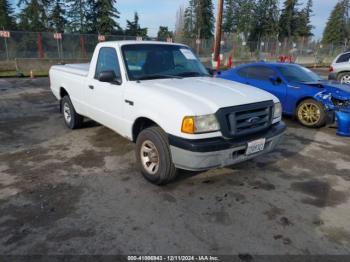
[(199, 124), (277, 111)]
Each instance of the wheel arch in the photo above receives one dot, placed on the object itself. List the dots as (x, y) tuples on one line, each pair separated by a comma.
[(63, 92), (140, 124), (342, 72), (301, 100)]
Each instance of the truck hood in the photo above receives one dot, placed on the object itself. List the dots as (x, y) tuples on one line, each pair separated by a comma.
[(213, 92)]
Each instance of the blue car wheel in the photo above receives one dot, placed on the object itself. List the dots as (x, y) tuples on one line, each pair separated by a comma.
[(311, 113)]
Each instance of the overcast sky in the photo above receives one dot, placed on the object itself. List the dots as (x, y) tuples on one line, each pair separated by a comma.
[(154, 13)]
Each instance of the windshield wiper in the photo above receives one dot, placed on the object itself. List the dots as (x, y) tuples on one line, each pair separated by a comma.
[(157, 76), (190, 74)]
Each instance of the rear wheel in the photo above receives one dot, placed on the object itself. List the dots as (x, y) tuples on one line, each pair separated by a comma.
[(311, 113), (72, 119), (154, 157), (344, 78)]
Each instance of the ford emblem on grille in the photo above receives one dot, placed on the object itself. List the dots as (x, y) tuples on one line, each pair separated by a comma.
[(253, 120)]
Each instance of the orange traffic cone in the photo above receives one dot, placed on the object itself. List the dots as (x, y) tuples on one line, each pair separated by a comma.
[(229, 62), (218, 63)]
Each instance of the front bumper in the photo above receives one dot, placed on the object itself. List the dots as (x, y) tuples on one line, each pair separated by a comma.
[(203, 154)]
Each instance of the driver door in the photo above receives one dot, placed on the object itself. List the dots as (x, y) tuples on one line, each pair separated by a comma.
[(267, 79), (106, 99)]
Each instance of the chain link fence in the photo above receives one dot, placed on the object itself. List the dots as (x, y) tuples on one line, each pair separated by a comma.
[(300, 51), (48, 45), (18, 46)]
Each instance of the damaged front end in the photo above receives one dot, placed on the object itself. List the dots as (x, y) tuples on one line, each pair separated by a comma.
[(337, 106)]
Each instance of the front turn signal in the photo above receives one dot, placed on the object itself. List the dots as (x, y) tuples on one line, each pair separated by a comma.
[(188, 126)]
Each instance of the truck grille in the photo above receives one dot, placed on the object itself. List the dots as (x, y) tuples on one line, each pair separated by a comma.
[(245, 119)]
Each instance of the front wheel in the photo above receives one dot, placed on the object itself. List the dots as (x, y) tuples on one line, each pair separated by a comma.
[(154, 157), (311, 113)]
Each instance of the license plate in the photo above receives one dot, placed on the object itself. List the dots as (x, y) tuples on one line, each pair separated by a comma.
[(255, 146)]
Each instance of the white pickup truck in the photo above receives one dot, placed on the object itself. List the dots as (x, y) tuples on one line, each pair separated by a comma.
[(161, 97)]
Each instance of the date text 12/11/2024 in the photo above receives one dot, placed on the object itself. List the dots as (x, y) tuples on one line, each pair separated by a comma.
[(173, 258)]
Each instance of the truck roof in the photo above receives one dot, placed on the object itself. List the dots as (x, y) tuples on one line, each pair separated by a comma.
[(135, 42)]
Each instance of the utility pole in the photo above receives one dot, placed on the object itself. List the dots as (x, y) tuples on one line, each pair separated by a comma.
[(218, 30), (199, 23)]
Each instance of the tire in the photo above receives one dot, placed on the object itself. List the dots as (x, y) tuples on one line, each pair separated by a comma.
[(344, 78), (153, 143), (71, 118), (311, 113)]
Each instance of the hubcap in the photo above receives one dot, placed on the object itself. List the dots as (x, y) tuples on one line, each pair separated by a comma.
[(309, 114), (345, 79), (67, 113), (149, 157)]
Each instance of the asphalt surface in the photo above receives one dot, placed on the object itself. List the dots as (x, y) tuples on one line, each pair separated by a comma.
[(78, 192)]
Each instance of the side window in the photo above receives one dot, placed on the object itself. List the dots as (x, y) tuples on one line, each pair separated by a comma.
[(260, 73), (244, 72), (344, 58), (107, 61)]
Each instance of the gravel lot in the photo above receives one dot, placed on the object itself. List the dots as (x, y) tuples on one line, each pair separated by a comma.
[(78, 192)]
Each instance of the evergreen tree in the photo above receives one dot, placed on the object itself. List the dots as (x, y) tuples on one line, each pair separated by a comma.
[(199, 19), (304, 27), (337, 31), (180, 24), (7, 21), (81, 17), (45, 7), (190, 20), (57, 20), (288, 24), (205, 18), (230, 16), (164, 33), (133, 28), (105, 14), (266, 20), (245, 17), (33, 16)]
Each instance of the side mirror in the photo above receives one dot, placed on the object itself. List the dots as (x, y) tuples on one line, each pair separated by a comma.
[(211, 71), (275, 80), (109, 77)]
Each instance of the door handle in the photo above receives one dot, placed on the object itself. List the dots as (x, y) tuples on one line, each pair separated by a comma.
[(129, 102), (91, 87)]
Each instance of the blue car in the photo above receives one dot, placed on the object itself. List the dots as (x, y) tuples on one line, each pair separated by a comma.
[(303, 94)]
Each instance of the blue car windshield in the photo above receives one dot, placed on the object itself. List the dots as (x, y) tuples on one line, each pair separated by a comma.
[(294, 73)]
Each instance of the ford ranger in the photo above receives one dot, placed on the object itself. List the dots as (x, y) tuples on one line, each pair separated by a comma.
[(161, 97)]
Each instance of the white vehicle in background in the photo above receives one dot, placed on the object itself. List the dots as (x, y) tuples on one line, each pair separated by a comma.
[(340, 68), (160, 96)]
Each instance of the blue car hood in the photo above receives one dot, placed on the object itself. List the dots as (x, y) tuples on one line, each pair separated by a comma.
[(337, 90)]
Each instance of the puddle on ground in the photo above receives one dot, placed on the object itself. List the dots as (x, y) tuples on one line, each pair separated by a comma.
[(321, 193)]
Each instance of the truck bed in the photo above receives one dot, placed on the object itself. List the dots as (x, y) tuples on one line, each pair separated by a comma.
[(77, 69)]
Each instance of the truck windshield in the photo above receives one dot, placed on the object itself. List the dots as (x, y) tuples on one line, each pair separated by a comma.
[(295, 73), (154, 61)]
